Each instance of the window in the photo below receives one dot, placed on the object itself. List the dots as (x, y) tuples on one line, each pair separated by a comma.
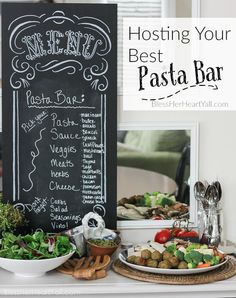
[(133, 8)]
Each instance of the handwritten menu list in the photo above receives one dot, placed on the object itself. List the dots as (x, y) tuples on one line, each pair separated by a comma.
[(59, 112)]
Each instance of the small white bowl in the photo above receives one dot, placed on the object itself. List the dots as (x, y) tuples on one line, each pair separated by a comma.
[(34, 268)]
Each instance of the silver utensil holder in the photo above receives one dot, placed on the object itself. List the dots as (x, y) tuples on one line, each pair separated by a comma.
[(210, 222)]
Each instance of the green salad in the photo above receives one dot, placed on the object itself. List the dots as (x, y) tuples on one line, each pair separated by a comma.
[(158, 199), (35, 246)]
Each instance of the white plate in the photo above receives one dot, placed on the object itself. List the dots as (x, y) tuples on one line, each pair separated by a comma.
[(169, 271)]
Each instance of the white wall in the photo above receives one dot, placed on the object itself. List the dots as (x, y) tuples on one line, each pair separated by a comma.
[(225, 153), (217, 140)]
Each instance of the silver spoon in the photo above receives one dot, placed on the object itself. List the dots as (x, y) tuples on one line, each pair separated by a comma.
[(199, 193), (199, 190), (212, 195), (218, 187)]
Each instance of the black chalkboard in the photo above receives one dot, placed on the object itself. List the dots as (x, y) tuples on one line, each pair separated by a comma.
[(59, 112)]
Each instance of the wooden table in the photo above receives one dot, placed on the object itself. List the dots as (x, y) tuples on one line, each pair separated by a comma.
[(131, 181)]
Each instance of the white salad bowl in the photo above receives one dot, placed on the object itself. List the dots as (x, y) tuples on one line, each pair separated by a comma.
[(34, 268)]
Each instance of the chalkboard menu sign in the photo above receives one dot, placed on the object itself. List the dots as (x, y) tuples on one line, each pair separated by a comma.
[(59, 112)]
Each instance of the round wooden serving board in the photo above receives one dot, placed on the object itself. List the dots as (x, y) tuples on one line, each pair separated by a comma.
[(224, 272)]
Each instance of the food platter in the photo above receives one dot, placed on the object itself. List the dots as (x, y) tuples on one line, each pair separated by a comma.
[(155, 205), (123, 254)]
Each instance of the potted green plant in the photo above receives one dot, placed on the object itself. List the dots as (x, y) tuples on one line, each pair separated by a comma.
[(10, 218)]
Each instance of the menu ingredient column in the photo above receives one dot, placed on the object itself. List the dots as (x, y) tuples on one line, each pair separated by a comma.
[(92, 161), (64, 152)]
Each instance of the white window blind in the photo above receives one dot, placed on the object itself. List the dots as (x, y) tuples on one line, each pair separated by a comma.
[(133, 8)]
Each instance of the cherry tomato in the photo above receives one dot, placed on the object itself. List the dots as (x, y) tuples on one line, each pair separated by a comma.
[(162, 236), (175, 232), (186, 233)]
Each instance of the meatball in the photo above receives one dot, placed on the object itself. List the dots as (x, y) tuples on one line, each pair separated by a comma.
[(139, 261), (166, 255), (156, 255), (152, 263), (174, 262), (164, 264), (146, 254), (131, 259), (183, 265)]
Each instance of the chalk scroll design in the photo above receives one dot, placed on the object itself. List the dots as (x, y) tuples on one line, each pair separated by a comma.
[(96, 71), (71, 66), (25, 67), (34, 155), (99, 209), (23, 73)]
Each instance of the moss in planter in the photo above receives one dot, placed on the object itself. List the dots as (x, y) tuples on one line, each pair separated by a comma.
[(10, 217)]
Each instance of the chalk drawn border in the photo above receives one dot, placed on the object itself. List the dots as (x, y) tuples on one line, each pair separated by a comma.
[(23, 73)]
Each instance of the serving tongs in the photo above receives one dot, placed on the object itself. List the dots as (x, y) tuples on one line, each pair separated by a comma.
[(93, 267)]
